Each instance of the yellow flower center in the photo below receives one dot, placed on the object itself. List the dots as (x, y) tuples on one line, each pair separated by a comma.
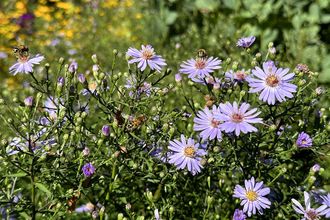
[(272, 80), (215, 123), (147, 54), (189, 151), (200, 63), (237, 118), (251, 195)]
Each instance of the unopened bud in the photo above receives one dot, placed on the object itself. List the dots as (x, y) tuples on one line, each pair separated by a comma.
[(81, 78), (28, 101), (106, 130), (316, 168), (178, 77), (86, 151), (60, 81), (94, 58), (61, 60)]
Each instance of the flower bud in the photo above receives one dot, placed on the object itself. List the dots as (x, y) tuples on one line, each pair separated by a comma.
[(254, 62), (86, 151), (120, 216), (209, 200), (95, 68), (65, 137), (94, 58), (316, 168), (28, 101), (258, 56), (60, 81), (61, 60), (101, 76), (235, 66), (81, 78), (272, 128), (178, 77), (128, 206), (115, 52), (73, 67), (301, 82), (203, 162), (106, 130), (149, 195)]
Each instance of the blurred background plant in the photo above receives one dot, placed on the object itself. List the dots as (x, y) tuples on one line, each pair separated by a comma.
[(74, 29)]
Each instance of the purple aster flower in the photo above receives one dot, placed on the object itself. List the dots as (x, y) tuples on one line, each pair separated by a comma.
[(186, 154), (253, 196), (207, 124), (273, 82), (326, 201), (304, 140), (239, 215), (246, 42), (25, 64), (200, 67), (146, 56), (238, 76), (88, 169), (309, 213), (238, 118)]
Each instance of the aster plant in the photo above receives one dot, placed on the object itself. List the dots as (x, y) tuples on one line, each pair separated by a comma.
[(116, 142)]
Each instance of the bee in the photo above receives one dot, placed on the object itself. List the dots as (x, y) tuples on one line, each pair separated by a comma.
[(201, 53), (21, 49)]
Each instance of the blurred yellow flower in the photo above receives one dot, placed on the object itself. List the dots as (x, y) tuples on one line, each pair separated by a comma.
[(12, 83), (111, 3)]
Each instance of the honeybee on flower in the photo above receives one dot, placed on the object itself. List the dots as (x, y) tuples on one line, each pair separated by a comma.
[(24, 61)]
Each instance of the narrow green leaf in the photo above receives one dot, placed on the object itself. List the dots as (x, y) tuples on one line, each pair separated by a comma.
[(43, 188), (21, 174)]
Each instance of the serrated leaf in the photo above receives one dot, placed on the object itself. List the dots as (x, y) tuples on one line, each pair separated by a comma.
[(43, 188)]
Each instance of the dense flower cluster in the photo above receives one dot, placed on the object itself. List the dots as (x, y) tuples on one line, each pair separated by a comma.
[(236, 135)]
